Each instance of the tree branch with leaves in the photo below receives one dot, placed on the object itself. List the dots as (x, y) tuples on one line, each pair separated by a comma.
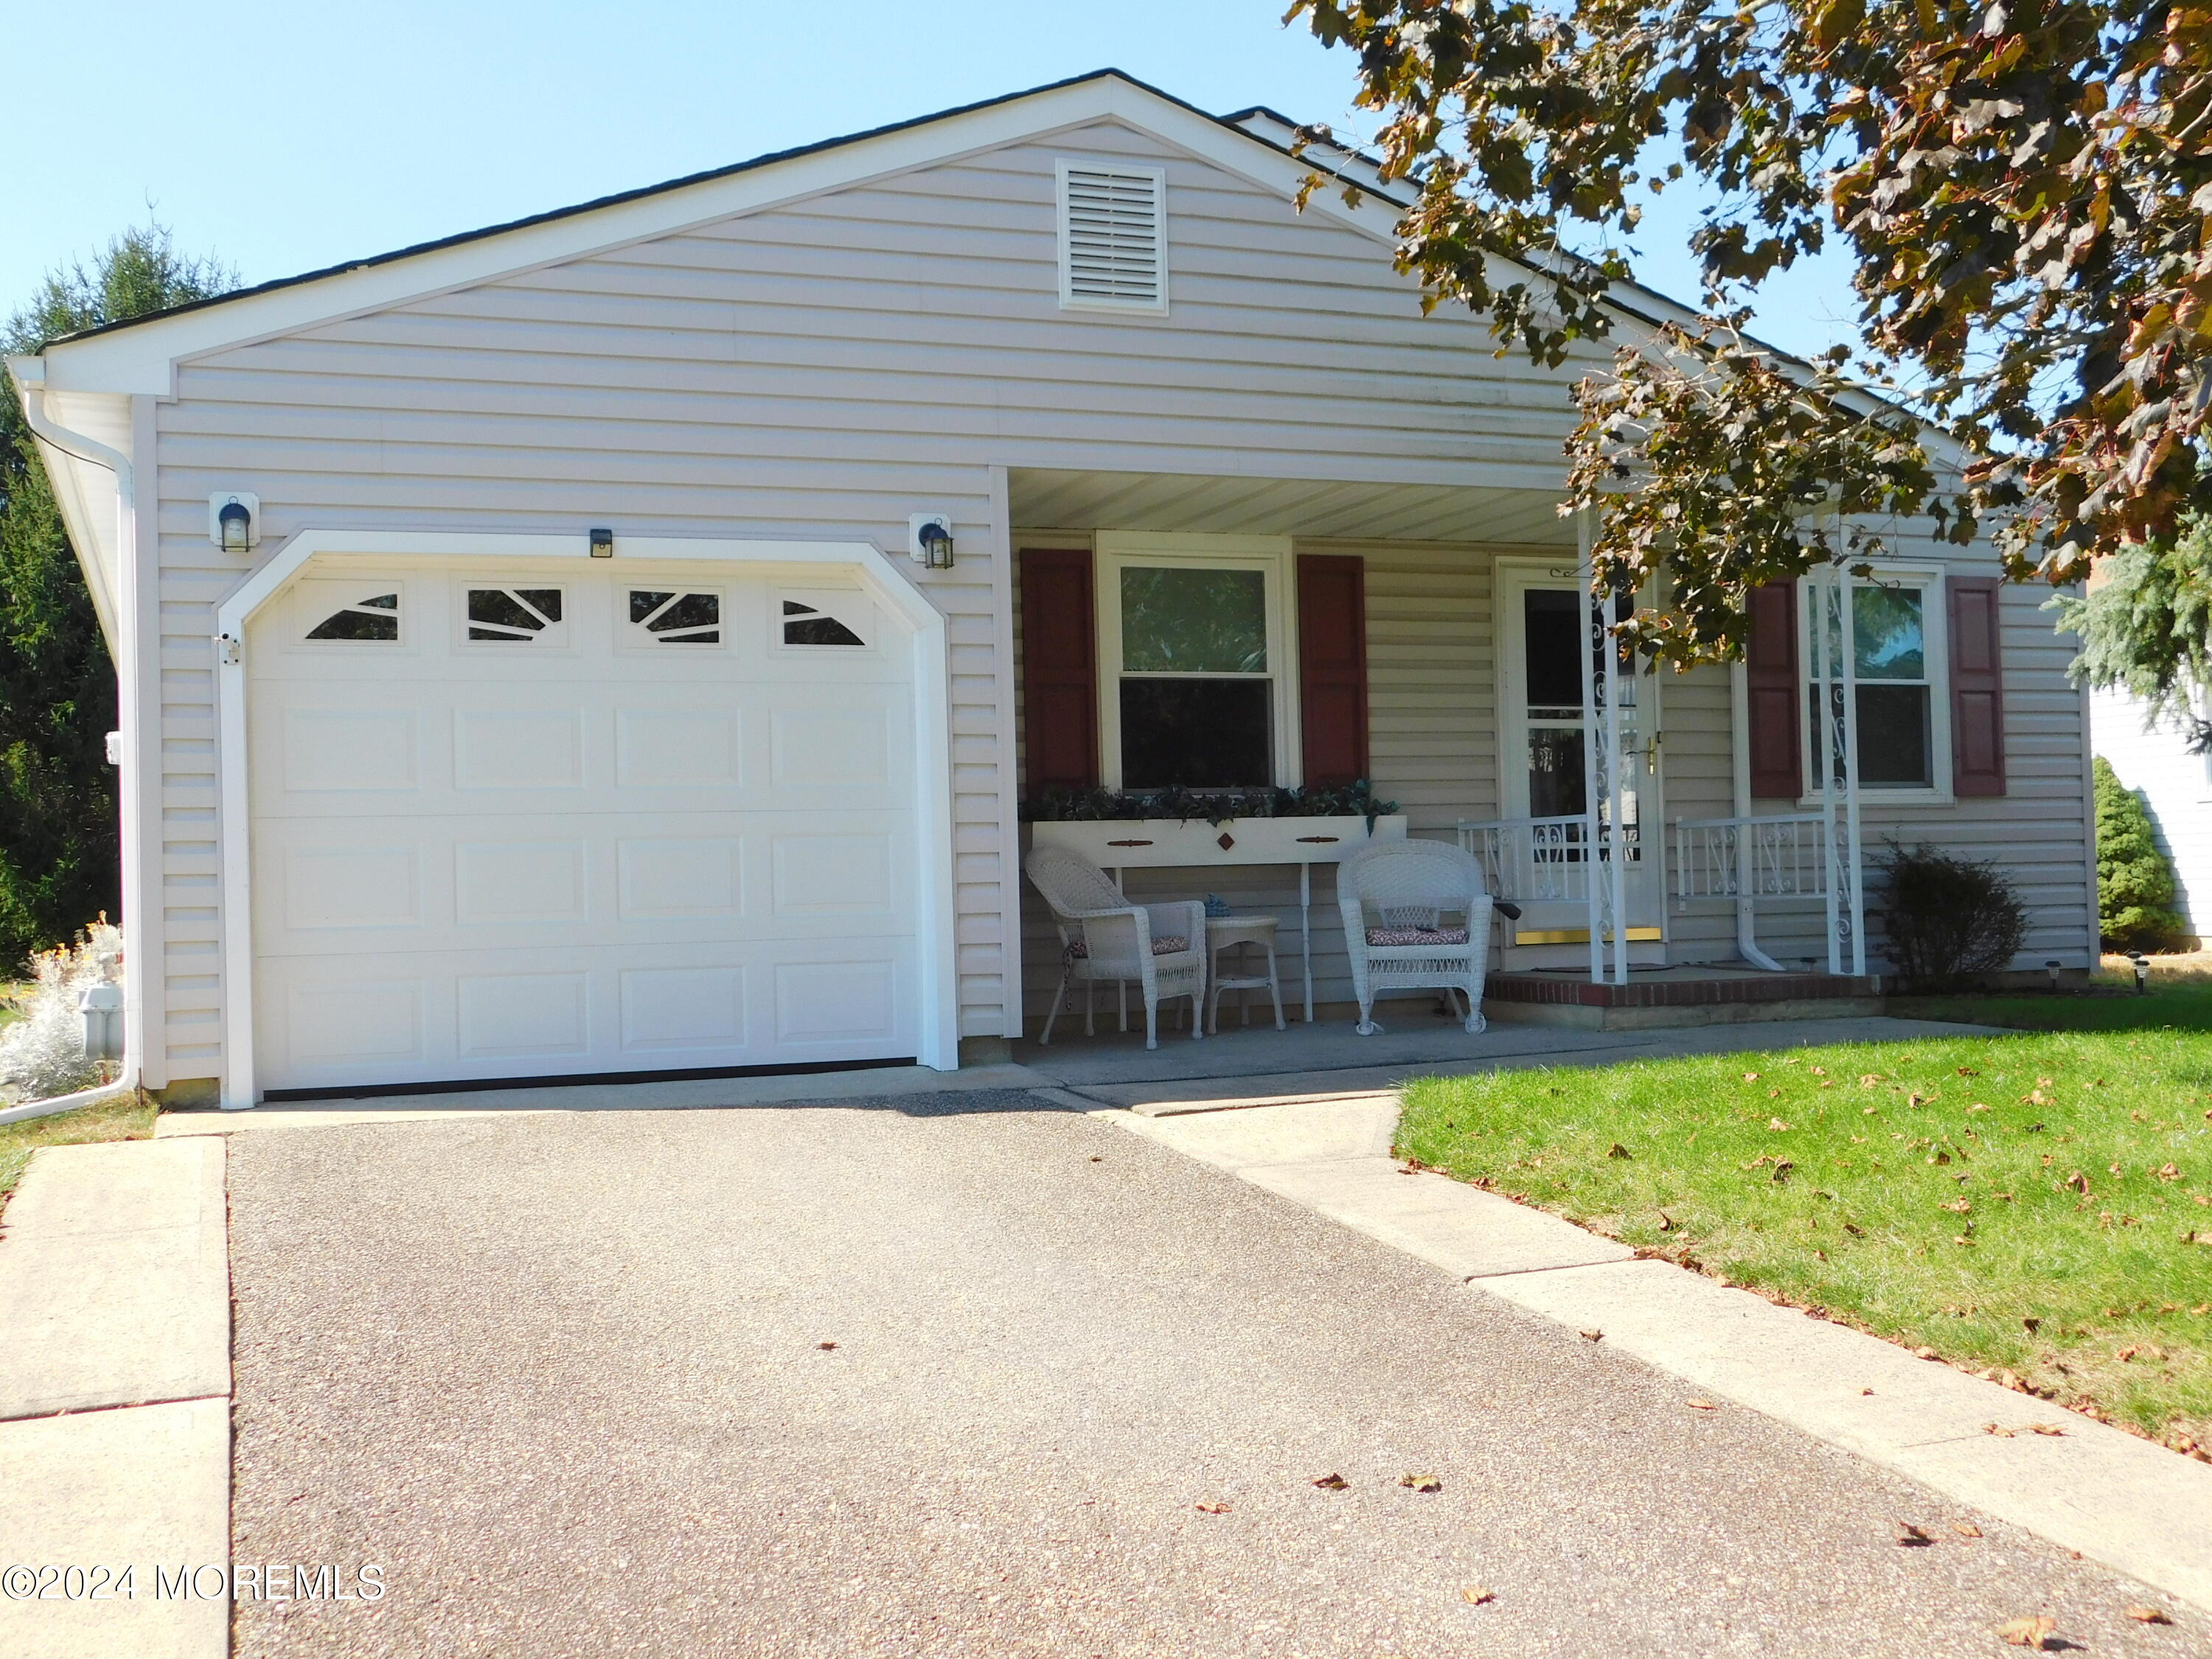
[(2024, 188)]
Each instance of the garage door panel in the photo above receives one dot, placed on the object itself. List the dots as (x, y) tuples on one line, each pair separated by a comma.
[(590, 850), (531, 882), (406, 1018)]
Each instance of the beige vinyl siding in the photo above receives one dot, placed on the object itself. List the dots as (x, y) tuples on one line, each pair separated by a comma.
[(819, 370)]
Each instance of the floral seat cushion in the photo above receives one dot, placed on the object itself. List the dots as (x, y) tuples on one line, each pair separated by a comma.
[(1167, 945), (1398, 936)]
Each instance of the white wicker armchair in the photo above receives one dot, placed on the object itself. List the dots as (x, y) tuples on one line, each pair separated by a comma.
[(1398, 898), (1104, 937)]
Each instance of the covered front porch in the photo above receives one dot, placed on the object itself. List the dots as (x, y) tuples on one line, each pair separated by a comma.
[(1477, 710)]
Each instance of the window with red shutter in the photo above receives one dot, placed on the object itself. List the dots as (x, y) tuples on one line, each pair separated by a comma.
[(1978, 759), (1777, 770), (1333, 667), (1059, 673)]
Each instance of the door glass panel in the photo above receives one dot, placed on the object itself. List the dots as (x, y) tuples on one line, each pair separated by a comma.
[(1553, 622), (1555, 773)]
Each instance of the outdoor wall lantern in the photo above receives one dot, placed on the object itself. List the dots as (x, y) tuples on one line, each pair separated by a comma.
[(929, 540), (234, 521), (603, 543)]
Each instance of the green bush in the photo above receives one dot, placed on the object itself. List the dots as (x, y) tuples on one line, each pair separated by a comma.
[(1947, 919), (2135, 881)]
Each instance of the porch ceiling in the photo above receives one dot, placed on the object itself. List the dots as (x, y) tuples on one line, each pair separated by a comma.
[(1045, 500)]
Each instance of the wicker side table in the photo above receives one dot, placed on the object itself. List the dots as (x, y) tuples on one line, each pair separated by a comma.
[(1225, 934)]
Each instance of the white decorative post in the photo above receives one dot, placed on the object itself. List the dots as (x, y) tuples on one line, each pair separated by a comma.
[(1597, 772)]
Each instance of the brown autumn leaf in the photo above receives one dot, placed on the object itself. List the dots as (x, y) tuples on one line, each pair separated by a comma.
[(1666, 1222), (1912, 1537), (1775, 1124), (1476, 1596), (1422, 1482), (1616, 1150), (1213, 1509), (1751, 1077), (1592, 1336), (2000, 1433), (1965, 1529), (2148, 1615), (1701, 1405), (1332, 1483), (2044, 1428), (825, 1346), (2027, 1633)]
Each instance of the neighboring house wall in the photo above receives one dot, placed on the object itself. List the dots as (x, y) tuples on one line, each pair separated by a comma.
[(2176, 786)]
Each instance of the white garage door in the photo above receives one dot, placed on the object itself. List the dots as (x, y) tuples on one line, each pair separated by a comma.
[(573, 818)]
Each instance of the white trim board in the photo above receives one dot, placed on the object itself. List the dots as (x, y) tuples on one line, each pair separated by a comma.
[(938, 992)]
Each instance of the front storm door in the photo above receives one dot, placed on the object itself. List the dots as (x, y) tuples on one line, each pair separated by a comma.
[(1545, 636)]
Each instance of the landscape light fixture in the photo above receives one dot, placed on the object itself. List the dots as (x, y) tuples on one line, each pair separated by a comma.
[(929, 540), (2142, 972), (234, 521), (2051, 966)]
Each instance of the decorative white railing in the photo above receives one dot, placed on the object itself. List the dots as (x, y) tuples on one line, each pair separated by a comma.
[(1532, 861), (1795, 856), (1781, 857)]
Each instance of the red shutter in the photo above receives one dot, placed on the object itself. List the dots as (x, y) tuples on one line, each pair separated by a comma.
[(1977, 686), (1060, 678), (1333, 667), (1778, 768)]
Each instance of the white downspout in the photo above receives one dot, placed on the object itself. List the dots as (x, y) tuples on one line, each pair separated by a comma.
[(1585, 578), (1746, 937), (29, 374)]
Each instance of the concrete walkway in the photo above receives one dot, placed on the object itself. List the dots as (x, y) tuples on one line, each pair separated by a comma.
[(977, 1376), (114, 1401), (2099, 1490)]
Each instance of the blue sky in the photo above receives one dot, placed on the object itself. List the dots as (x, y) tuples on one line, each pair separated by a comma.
[(286, 137)]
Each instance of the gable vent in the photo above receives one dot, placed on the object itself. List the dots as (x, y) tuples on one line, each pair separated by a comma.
[(1113, 237)]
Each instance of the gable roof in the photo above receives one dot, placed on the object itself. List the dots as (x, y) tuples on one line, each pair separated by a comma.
[(139, 354)]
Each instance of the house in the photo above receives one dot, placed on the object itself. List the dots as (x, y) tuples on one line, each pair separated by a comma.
[(620, 643), (2152, 757)]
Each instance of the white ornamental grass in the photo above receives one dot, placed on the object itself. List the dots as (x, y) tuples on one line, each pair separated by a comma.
[(42, 1052)]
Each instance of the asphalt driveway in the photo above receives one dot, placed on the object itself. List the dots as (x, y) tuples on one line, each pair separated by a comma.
[(567, 1380)]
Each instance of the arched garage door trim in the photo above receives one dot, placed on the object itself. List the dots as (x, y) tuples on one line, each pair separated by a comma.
[(939, 1031)]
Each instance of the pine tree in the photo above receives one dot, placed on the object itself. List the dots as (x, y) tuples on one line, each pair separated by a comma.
[(2135, 880), (59, 858)]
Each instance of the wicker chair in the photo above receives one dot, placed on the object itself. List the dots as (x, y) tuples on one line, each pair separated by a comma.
[(1104, 937), (1397, 898)]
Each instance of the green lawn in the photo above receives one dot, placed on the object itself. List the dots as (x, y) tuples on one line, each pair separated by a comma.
[(2040, 1203), (125, 1121)]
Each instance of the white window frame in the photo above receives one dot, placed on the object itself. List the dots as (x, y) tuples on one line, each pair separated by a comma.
[(1935, 645), (1118, 551), (1070, 300)]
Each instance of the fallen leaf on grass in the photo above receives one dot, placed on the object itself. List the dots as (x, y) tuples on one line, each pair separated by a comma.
[(2147, 1616), (1616, 1150), (1775, 1124), (1912, 1536), (2027, 1633), (1701, 1405), (1965, 1529), (1422, 1482), (1332, 1483), (1475, 1594), (1666, 1222), (1213, 1509)]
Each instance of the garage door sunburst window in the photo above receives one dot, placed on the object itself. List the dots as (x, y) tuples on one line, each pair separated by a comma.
[(671, 618), (375, 619), (512, 613)]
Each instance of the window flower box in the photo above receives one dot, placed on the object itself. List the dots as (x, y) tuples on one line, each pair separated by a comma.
[(1146, 843)]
